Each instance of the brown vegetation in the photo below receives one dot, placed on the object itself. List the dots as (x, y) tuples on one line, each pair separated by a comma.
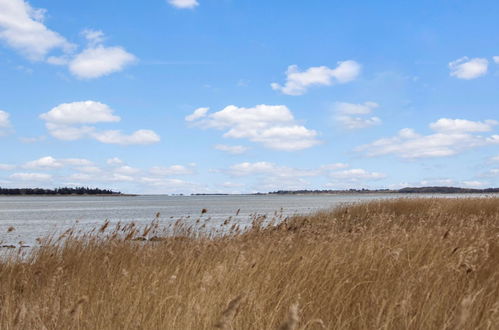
[(398, 264)]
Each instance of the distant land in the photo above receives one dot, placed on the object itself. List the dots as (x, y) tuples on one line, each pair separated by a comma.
[(66, 191), (407, 190), (57, 191)]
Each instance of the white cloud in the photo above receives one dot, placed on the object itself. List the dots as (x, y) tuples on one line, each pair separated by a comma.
[(474, 184), (143, 136), (22, 28), (115, 161), (86, 112), (7, 167), (267, 168), (446, 125), (247, 168), (5, 125), (197, 114), (67, 122), (97, 60), (297, 82), (183, 4), (90, 169), (126, 170), (452, 137), (31, 176), (271, 176), (273, 126), (172, 170), (50, 162), (435, 182), (100, 61), (32, 139), (94, 37), (353, 116), (355, 109), (466, 68), (496, 59), (234, 150), (332, 167), (356, 174), (114, 174)]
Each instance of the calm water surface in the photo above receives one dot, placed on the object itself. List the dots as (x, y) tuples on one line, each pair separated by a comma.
[(39, 216)]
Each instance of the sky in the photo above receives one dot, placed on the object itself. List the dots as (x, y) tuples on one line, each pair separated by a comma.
[(244, 96)]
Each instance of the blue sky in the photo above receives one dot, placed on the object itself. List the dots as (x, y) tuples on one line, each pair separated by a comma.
[(182, 96)]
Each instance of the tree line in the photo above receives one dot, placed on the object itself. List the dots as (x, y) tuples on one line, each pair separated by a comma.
[(407, 190), (57, 191)]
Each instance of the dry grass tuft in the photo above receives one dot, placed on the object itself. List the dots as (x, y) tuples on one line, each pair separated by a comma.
[(398, 264), (228, 314), (293, 319)]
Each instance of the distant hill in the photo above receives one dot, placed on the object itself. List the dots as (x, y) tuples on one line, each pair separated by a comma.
[(407, 190), (57, 191)]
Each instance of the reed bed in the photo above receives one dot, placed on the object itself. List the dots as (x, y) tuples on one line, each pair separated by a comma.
[(392, 264)]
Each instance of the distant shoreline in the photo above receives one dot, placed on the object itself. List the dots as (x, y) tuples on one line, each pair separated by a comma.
[(70, 195), (405, 191), (62, 191)]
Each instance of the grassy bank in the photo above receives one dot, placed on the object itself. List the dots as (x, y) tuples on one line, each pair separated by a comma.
[(397, 264)]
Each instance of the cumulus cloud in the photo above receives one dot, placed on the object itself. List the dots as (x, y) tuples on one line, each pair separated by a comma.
[(234, 150), (474, 184), (126, 170), (94, 37), (113, 173), (256, 168), (354, 116), (31, 177), (356, 174), (86, 112), (298, 82), (115, 161), (142, 136), (172, 170), (5, 125), (274, 126), (184, 4), (267, 168), (7, 167), (451, 137), (274, 177), (50, 162), (70, 121), (197, 114), (98, 60), (22, 28), (496, 59), (466, 68), (462, 125), (158, 177)]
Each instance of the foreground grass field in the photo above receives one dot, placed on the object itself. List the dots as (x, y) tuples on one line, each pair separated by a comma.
[(398, 264)]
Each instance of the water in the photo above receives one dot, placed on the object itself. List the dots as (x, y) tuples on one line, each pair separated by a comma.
[(39, 216)]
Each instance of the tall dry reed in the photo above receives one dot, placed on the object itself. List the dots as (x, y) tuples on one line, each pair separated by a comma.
[(398, 264)]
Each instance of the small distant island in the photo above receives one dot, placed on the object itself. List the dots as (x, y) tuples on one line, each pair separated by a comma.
[(407, 190), (57, 191)]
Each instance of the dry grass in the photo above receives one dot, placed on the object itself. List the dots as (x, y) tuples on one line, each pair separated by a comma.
[(399, 264)]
